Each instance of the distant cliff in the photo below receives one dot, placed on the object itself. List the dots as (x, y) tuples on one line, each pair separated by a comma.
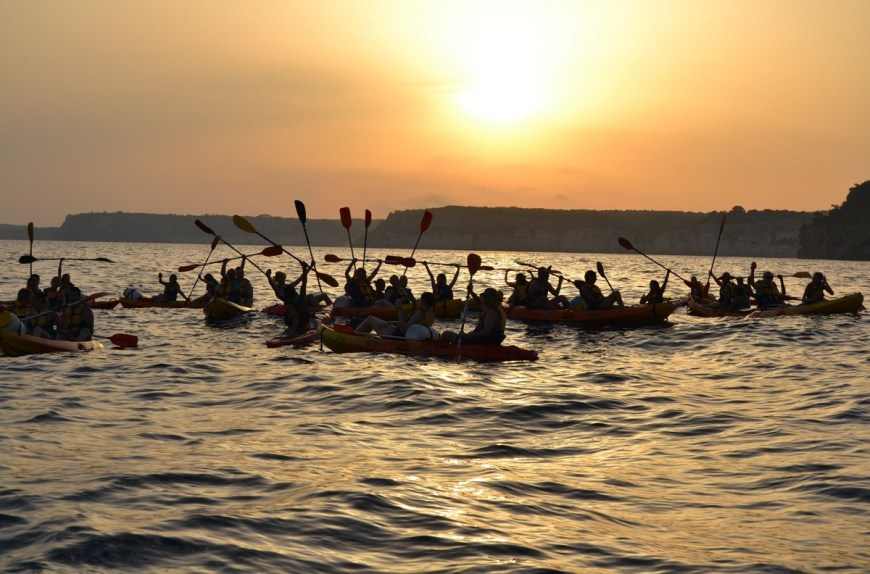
[(841, 233), (751, 233)]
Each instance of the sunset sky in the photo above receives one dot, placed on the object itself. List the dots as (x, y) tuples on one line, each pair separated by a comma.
[(240, 107)]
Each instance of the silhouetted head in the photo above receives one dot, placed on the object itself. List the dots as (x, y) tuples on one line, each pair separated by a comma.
[(521, 278), (380, 284), (231, 274), (441, 279), (818, 277), (694, 280), (65, 279), (726, 277), (590, 276), (427, 300), (23, 296), (654, 285), (768, 276), (33, 281), (489, 297), (359, 274), (543, 273), (394, 280), (55, 281), (173, 278), (280, 277), (403, 281)]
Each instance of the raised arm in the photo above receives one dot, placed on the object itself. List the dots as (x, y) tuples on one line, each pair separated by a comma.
[(160, 279), (665, 282), (224, 268), (555, 291), (347, 271), (374, 272), (507, 281), (431, 277), (751, 279), (455, 277)]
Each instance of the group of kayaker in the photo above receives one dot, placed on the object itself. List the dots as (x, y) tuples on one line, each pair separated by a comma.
[(535, 292), (737, 293), (59, 311)]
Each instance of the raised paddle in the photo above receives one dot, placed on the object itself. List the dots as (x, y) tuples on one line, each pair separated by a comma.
[(303, 219), (214, 243), (332, 258), (411, 262), (425, 222), (533, 266), (600, 267), (626, 244), (210, 231), (52, 311), (247, 227), (271, 251), (121, 340), (24, 259), (715, 252), (346, 222), (30, 238), (368, 222), (474, 263)]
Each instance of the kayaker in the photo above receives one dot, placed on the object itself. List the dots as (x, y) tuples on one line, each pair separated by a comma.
[(297, 313), (696, 289), (408, 294), (423, 315), (171, 289), (212, 288), (726, 290), (66, 286), (246, 290), (592, 295), (53, 296), (491, 323), (359, 285), (230, 286), (815, 290), (379, 296), (540, 289), (26, 308), (767, 294), (656, 293), (33, 286), (520, 289), (76, 322), (441, 289), (396, 293), (742, 295)]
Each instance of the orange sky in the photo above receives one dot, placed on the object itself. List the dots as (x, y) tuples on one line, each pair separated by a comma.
[(225, 107)]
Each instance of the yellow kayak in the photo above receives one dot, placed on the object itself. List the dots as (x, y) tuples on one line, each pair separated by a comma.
[(851, 303), (222, 310), (16, 345)]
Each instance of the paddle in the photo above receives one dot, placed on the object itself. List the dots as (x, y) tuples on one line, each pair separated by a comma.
[(368, 222), (347, 221), (625, 243), (271, 251), (533, 266), (52, 311), (600, 267), (30, 238), (121, 340), (210, 231), (331, 258), (411, 262), (247, 227), (424, 225), (31, 259), (716, 252), (214, 243), (473, 262), (303, 219)]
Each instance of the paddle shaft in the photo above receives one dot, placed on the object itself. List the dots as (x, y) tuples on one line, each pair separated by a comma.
[(201, 269), (715, 253), (674, 273), (350, 243), (311, 253), (30, 237)]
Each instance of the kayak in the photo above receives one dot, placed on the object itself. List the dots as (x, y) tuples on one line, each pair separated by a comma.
[(16, 345), (633, 315), (443, 310), (706, 309), (344, 340), (851, 303), (107, 305), (295, 341), (150, 303), (222, 310)]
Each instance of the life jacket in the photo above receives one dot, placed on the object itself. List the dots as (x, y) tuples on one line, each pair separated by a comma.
[(814, 293), (246, 291), (171, 291), (726, 293), (72, 318), (520, 294), (592, 295), (767, 294)]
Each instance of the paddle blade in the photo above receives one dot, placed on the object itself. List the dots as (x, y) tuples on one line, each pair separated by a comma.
[(626, 244), (328, 279), (104, 260), (124, 341), (802, 275), (243, 224), (25, 259), (204, 227), (214, 242), (473, 262), (600, 267), (396, 260), (368, 218), (346, 219), (30, 231), (186, 268), (426, 221), (300, 211), (272, 251), (330, 258)]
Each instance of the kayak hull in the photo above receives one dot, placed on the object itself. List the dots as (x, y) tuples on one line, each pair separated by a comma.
[(296, 342), (15, 345), (219, 310), (851, 303), (149, 304), (340, 341), (700, 309), (443, 310), (632, 316), (105, 305)]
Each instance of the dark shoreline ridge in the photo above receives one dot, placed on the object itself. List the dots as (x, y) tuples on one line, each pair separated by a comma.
[(841, 233)]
